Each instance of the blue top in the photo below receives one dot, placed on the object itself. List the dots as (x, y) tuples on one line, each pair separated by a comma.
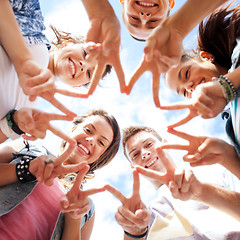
[(30, 20)]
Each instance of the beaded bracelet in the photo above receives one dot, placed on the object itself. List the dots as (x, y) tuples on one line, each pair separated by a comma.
[(136, 236), (22, 169), (12, 123), (228, 89)]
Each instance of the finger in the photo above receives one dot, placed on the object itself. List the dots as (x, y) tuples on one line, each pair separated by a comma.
[(60, 106), (136, 183), (186, 182), (150, 173), (38, 89), (184, 120), (54, 116), (178, 177), (42, 78), (116, 193), (180, 134), (175, 146), (164, 158), (120, 74), (65, 155), (60, 134), (140, 70), (36, 134), (168, 61), (97, 75), (80, 176), (47, 171), (71, 93), (177, 106), (155, 86), (149, 49), (28, 137), (94, 191)]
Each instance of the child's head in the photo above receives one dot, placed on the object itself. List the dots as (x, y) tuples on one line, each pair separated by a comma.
[(69, 58), (141, 17), (98, 137)]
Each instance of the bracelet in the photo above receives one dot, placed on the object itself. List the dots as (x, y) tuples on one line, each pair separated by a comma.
[(22, 169), (7, 131), (228, 89), (136, 236), (12, 123)]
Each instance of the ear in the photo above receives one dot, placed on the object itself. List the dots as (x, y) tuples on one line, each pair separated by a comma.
[(207, 56)]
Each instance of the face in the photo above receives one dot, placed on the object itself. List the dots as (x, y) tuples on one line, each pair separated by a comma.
[(184, 78), (141, 17), (93, 137), (71, 65), (141, 150)]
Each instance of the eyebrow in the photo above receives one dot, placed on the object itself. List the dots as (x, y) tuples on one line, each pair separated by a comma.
[(96, 130), (135, 147), (136, 25), (180, 78)]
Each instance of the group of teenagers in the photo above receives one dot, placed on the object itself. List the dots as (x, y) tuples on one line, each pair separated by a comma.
[(43, 196)]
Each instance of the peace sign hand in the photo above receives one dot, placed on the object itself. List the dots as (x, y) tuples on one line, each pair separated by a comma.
[(76, 202), (35, 123), (133, 215), (168, 168)]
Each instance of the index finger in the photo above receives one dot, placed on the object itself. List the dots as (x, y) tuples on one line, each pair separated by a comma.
[(139, 71), (177, 106), (81, 173), (116, 193), (136, 183), (64, 156), (180, 134), (155, 86), (55, 116), (120, 74)]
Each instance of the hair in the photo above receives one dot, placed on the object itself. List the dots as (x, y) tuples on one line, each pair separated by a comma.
[(217, 34), (133, 130), (111, 151), (62, 38)]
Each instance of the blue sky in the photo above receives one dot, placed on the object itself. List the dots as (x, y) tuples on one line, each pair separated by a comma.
[(136, 109)]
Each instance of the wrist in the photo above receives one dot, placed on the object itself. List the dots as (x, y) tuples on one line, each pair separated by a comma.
[(13, 120), (142, 233)]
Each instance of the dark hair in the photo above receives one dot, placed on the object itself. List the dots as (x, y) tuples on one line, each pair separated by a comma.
[(112, 150), (218, 33), (132, 130), (61, 38)]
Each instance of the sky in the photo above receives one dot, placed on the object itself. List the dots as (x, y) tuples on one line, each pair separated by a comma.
[(136, 109)]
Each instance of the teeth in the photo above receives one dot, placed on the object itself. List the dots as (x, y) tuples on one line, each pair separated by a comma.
[(84, 149), (145, 4), (72, 67), (151, 162)]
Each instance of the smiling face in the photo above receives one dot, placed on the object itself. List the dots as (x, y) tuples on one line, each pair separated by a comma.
[(71, 65), (141, 150), (94, 135), (141, 17), (184, 78)]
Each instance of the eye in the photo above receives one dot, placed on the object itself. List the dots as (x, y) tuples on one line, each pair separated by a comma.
[(89, 74), (87, 130), (149, 144), (84, 53), (102, 143), (152, 21), (135, 155), (187, 74), (135, 18)]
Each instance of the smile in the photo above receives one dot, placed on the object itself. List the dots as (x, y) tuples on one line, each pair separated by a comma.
[(151, 162), (146, 4), (72, 67), (84, 149)]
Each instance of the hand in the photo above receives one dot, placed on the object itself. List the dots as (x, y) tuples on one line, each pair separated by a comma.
[(167, 173), (36, 123), (76, 202), (106, 30), (46, 172), (133, 215), (201, 150), (163, 50)]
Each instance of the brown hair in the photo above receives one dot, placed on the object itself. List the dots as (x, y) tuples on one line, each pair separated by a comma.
[(61, 38), (218, 33), (112, 150), (132, 130)]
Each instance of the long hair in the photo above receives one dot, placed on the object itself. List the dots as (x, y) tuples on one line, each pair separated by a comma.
[(111, 151), (218, 33)]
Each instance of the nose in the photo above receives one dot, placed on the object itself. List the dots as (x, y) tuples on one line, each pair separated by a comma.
[(189, 86), (145, 155), (144, 16), (90, 140), (82, 66)]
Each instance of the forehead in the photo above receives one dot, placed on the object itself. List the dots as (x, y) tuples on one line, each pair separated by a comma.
[(138, 139)]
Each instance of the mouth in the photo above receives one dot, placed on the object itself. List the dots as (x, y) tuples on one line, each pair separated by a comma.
[(151, 162), (72, 67), (83, 149), (146, 4)]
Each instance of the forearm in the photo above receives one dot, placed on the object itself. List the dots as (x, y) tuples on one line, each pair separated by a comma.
[(11, 36), (221, 198), (71, 228), (7, 174), (192, 13), (3, 137), (97, 8)]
